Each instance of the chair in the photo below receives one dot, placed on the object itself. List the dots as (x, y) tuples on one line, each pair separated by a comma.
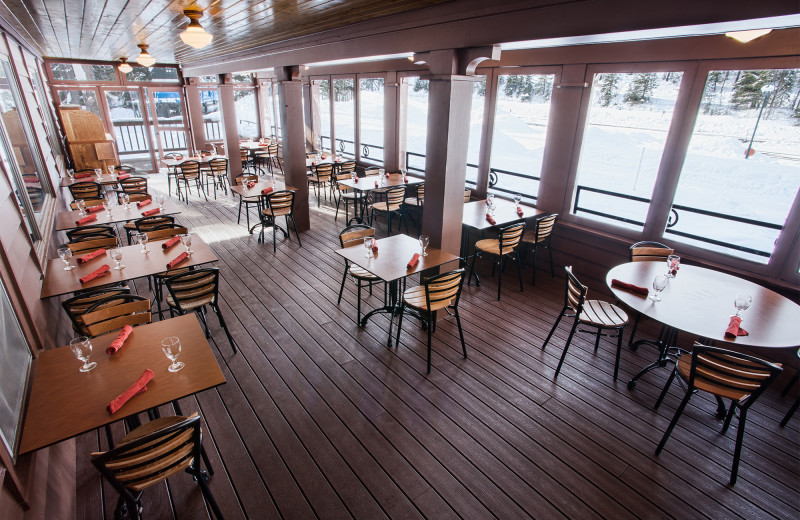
[(133, 197), (646, 252), (76, 306), (146, 224), (505, 245), (393, 205), (165, 231), (416, 202), (245, 156), (439, 292), (86, 190), (98, 231), (89, 243), (320, 177), (172, 171), (133, 185), (190, 171), (149, 455), (273, 159), (274, 205), (339, 168), (724, 374), (247, 201), (88, 202), (467, 195), (346, 194), (349, 237), (540, 235), (219, 173), (192, 291), (785, 391), (114, 312), (593, 313)]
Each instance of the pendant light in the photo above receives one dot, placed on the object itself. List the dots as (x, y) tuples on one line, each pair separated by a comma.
[(124, 66), (144, 58), (748, 36), (194, 35)]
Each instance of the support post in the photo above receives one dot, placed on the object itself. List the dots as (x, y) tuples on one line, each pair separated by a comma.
[(290, 90), (230, 127)]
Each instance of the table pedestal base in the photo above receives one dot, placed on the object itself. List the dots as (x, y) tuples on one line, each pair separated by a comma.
[(668, 352)]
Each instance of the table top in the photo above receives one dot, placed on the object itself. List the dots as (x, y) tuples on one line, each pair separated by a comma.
[(105, 179), (254, 145), (505, 212), (65, 402), (394, 252), (368, 183), (261, 185), (57, 281), (329, 159), (700, 301), (171, 163), (66, 219)]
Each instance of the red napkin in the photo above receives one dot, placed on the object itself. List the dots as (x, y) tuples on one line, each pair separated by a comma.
[(91, 256), (313, 163), (387, 175), (376, 184), (414, 261), (169, 243), (97, 273), (83, 175), (86, 219), (355, 180), (630, 287), (374, 248), (178, 259), (250, 184), (490, 219), (95, 209), (123, 176), (143, 203), (734, 329), (119, 340), (324, 157), (266, 191), (338, 160), (139, 386), (150, 212), (405, 179), (519, 211)]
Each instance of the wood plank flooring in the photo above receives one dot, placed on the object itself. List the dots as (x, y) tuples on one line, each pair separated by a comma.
[(319, 418)]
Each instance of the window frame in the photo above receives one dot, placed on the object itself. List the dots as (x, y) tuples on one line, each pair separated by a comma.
[(357, 97)]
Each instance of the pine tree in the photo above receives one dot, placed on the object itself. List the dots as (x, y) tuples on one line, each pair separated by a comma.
[(747, 89), (712, 84), (608, 88), (641, 88), (421, 85)]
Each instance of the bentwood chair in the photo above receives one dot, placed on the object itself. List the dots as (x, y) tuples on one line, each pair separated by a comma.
[(599, 314), (646, 251), (149, 455), (114, 312), (190, 171), (345, 194), (192, 291), (393, 205), (539, 236), (349, 237), (86, 190), (439, 292), (320, 178), (76, 306), (726, 375), (506, 245), (218, 174), (274, 205), (416, 202), (247, 201), (89, 243)]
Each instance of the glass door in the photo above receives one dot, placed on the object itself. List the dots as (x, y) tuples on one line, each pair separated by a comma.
[(131, 128), (168, 114)]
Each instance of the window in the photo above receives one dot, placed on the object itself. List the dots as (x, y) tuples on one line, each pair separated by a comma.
[(323, 132), (277, 96), (629, 117), (83, 72), (127, 118), (741, 173), (416, 123), (242, 77), (209, 79), (475, 129), (344, 117), (370, 92), (86, 99), (269, 113), (246, 112), (209, 98), (154, 74)]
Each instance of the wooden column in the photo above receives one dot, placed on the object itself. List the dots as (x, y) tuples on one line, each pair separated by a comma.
[(391, 92), (230, 128), (290, 91), (195, 112)]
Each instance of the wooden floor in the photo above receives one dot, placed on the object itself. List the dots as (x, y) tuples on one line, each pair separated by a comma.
[(319, 418)]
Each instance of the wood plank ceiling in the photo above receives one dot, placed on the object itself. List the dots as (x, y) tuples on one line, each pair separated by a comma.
[(108, 29)]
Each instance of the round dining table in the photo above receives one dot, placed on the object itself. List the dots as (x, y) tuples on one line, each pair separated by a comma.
[(699, 301)]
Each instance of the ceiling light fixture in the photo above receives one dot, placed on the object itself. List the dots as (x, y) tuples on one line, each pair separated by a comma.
[(747, 36), (124, 66), (144, 58), (194, 35)]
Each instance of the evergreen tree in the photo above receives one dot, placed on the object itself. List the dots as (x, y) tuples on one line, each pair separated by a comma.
[(747, 88), (421, 85), (543, 86), (608, 88), (641, 88), (713, 83)]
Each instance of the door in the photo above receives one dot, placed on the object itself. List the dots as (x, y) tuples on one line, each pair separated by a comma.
[(131, 127)]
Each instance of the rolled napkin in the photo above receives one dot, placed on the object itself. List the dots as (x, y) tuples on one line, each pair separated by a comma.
[(139, 386), (178, 259), (405, 179), (266, 191), (387, 175), (100, 271), (355, 180), (313, 163), (150, 212), (734, 329), (119, 340), (324, 157), (414, 261), (123, 176), (519, 211), (84, 175), (95, 209), (250, 184), (91, 256), (143, 203), (374, 248), (169, 243), (629, 287), (86, 219), (376, 184), (490, 219)]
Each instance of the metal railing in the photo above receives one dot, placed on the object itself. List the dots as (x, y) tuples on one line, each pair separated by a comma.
[(325, 142), (131, 138)]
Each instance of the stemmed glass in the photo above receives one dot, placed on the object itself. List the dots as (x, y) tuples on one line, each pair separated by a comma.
[(126, 199), (116, 255), (673, 262), (82, 348), (160, 198), (490, 198), (353, 175), (659, 282), (144, 239), (424, 240), (111, 169), (71, 174), (98, 172), (171, 347), (81, 207), (517, 199), (65, 254), (492, 206), (368, 243), (107, 206), (742, 302), (186, 240)]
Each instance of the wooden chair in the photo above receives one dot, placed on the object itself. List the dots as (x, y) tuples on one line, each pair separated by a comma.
[(252, 200), (416, 202), (89, 243), (439, 292), (76, 306), (172, 171), (144, 224), (133, 197), (726, 375), (190, 171), (149, 455), (540, 235), (218, 173), (602, 315), (245, 156), (320, 178), (393, 205), (274, 205), (88, 202), (114, 312), (273, 159), (97, 231), (340, 168), (646, 251), (192, 291), (506, 245), (86, 190), (165, 231), (133, 185), (467, 195), (349, 237), (345, 194)]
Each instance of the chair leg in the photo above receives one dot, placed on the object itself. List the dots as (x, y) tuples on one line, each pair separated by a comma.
[(295, 229), (619, 347), (566, 347), (737, 452), (550, 252), (666, 388), (274, 239), (341, 289), (674, 421), (472, 268), (555, 325), (534, 248), (460, 331), (202, 312), (729, 417), (224, 326), (239, 218), (791, 412), (519, 271), (208, 496)]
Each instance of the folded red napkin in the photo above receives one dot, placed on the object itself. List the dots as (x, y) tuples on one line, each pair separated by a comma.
[(178, 259), (630, 287), (405, 179), (100, 271), (91, 256), (519, 211), (250, 184), (414, 261), (86, 219), (150, 212), (387, 175), (490, 219), (313, 163), (374, 248), (84, 175), (376, 184), (123, 176), (143, 203), (119, 340), (139, 386), (169, 243), (324, 157), (267, 191), (355, 180), (95, 209), (734, 329)]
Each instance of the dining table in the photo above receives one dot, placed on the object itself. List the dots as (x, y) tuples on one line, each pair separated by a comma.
[(68, 219), (105, 179), (202, 159), (364, 185), (700, 301), (64, 402)]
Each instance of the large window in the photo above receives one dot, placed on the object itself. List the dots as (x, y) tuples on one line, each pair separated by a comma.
[(209, 98), (416, 123), (83, 72), (322, 139), (127, 118), (344, 117), (86, 99), (371, 124), (154, 74), (246, 113), (475, 129)]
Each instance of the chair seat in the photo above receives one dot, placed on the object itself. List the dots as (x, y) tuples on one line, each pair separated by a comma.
[(349, 195), (361, 273), (173, 272), (492, 246), (413, 201), (317, 178), (385, 206), (415, 298), (530, 237), (189, 305), (685, 366), (276, 212), (250, 200), (598, 313)]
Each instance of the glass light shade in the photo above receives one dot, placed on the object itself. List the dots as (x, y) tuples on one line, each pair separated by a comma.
[(124, 67), (144, 59), (748, 36), (195, 36)]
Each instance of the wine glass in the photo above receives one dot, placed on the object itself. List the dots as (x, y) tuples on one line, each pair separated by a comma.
[(517, 199), (82, 348), (492, 207), (171, 347), (673, 262), (659, 282), (144, 239), (116, 255), (107, 206), (424, 240), (353, 175), (98, 172), (65, 254), (160, 198), (368, 243), (742, 302), (126, 199), (186, 240), (111, 169), (81, 206), (71, 174)]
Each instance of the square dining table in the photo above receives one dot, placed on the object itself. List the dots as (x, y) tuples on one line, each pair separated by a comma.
[(106, 179), (366, 184), (65, 402), (67, 219)]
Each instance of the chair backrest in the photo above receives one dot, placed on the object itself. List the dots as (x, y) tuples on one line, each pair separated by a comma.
[(272, 150), (354, 235), (148, 223), (190, 168), (89, 243), (193, 289), (114, 312), (544, 227), (133, 185), (125, 168), (347, 166), (98, 231), (152, 457), (467, 194), (510, 236), (343, 177), (165, 231), (219, 166), (368, 172), (279, 201), (135, 197), (85, 189), (576, 292), (77, 306), (444, 287), (89, 202), (242, 179), (395, 197), (649, 251), (323, 171), (420, 193)]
